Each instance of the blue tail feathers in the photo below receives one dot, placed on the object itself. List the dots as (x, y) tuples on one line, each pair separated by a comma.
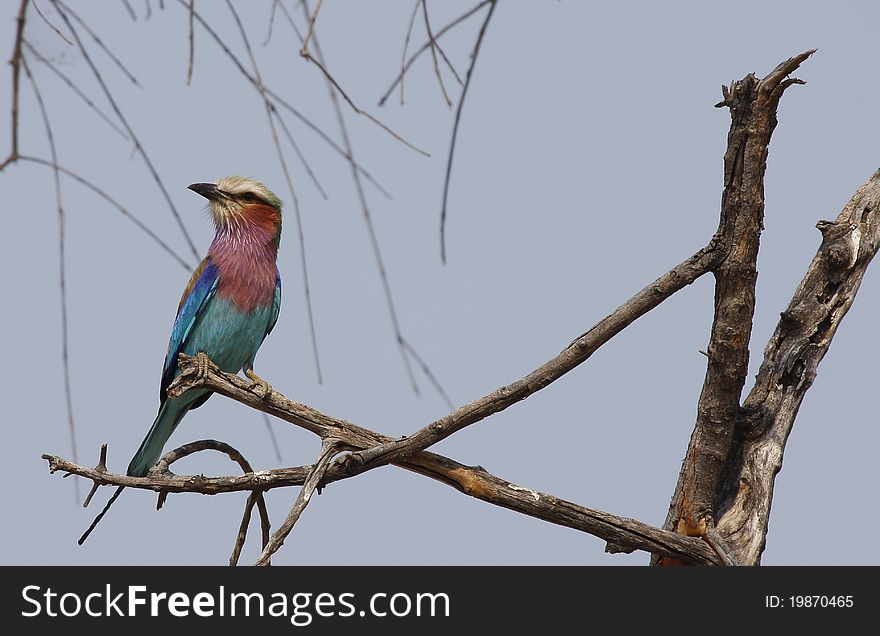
[(150, 450)]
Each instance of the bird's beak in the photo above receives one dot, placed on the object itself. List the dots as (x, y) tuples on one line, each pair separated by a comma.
[(208, 190)]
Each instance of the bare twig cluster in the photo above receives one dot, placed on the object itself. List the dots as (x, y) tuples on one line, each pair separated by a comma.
[(76, 32), (721, 505)]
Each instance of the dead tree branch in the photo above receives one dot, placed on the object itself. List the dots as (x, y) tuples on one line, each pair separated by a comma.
[(791, 358), (753, 105), (255, 498), (474, 481), (329, 448)]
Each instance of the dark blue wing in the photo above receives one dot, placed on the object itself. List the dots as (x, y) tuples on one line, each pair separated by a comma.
[(200, 289), (276, 303)]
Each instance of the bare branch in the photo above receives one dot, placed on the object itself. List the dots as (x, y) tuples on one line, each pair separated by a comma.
[(97, 40), (473, 481), (576, 353), (467, 83), (299, 153), (255, 498), (280, 101), (15, 62), (434, 48), (304, 52), (412, 21), (91, 186), (272, 437), (791, 359), (49, 24), (288, 178), (33, 51), (62, 267), (371, 231), (427, 45), (137, 144), (192, 46), (753, 106), (428, 373), (275, 4), (329, 448), (131, 12)]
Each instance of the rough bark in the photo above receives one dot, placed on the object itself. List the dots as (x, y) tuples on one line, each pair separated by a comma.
[(800, 341), (752, 105)]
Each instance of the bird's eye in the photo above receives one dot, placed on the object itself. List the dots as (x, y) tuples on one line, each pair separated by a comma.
[(249, 197)]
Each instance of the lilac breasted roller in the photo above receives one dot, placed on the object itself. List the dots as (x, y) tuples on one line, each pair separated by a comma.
[(228, 308)]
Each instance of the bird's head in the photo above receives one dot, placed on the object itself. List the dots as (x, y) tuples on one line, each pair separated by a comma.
[(238, 203)]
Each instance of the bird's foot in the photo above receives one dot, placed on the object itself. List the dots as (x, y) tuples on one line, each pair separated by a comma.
[(203, 363), (258, 386)]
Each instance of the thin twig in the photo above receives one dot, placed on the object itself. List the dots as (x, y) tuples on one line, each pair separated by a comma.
[(131, 12), (272, 437), (62, 267), (91, 186), (15, 62), (284, 104), (371, 231), (255, 497), (311, 28), (40, 58), (299, 153), (192, 47), (427, 45), (434, 53), (49, 24), (304, 52), (467, 83), (297, 214), (329, 448), (428, 373), (128, 128), (412, 21), (271, 21), (97, 40)]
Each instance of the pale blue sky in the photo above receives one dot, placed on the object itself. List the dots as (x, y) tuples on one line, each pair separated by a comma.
[(589, 161)]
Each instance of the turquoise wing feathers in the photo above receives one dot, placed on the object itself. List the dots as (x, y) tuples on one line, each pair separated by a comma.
[(199, 291)]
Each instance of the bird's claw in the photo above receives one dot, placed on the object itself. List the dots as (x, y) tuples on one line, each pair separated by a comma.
[(203, 363), (259, 386)]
